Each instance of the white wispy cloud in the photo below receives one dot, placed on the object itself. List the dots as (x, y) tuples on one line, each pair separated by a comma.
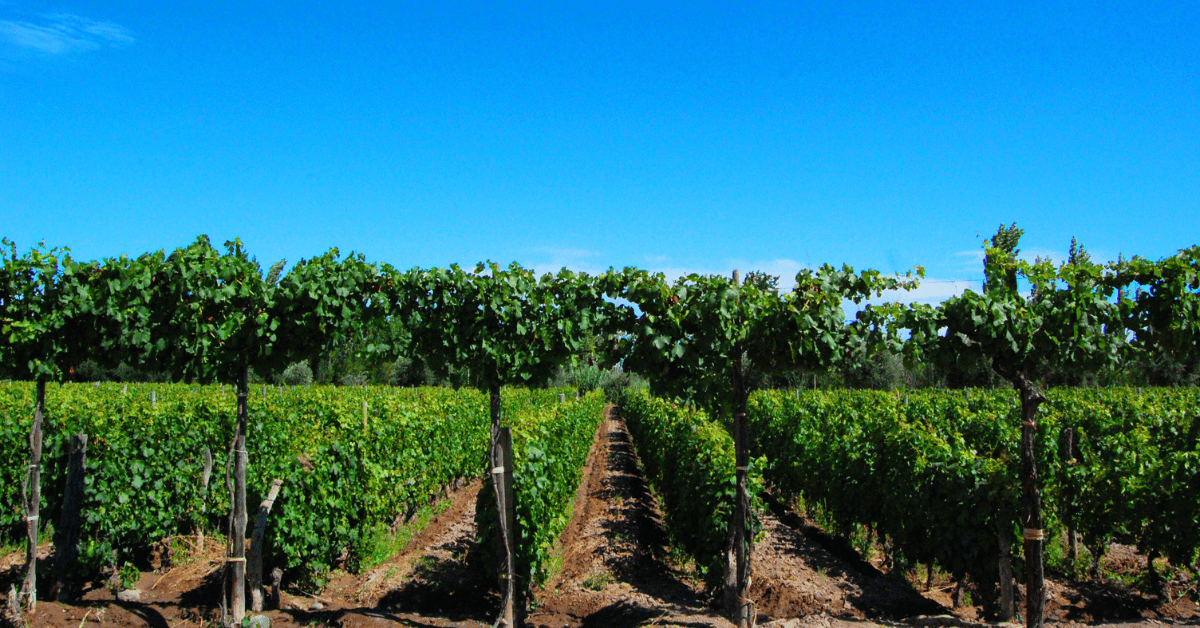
[(62, 34)]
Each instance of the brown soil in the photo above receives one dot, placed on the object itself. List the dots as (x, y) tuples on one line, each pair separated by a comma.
[(616, 569)]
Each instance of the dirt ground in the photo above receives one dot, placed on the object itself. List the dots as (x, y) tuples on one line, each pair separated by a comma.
[(614, 568)]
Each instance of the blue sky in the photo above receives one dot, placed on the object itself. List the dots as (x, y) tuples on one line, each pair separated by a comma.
[(674, 137)]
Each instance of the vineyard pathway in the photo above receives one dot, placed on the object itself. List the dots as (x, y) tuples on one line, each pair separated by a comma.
[(617, 569)]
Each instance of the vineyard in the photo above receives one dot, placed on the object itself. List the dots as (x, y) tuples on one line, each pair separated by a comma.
[(731, 463), (354, 461)]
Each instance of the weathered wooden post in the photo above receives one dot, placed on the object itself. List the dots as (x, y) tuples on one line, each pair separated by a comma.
[(742, 539), (237, 535), (254, 560), (10, 615), (1033, 534), (502, 483), (66, 537), (1007, 605), (205, 476), (1072, 536)]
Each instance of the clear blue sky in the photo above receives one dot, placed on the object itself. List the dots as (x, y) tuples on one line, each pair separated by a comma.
[(671, 137)]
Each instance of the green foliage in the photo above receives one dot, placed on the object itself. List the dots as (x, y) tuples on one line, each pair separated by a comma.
[(998, 276), (1066, 323), (1135, 471), (43, 307), (506, 327), (883, 370), (597, 581), (212, 314), (128, 576), (343, 477), (1164, 313), (1068, 330), (936, 470), (689, 461), (326, 301), (584, 378), (707, 338), (908, 471), (381, 543)]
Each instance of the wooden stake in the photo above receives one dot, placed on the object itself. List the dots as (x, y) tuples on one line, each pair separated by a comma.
[(254, 560), (742, 612), (66, 536), (1007, 604), (205, 476), (1072, 538), (237, 536), (10, 615), (501, 472)]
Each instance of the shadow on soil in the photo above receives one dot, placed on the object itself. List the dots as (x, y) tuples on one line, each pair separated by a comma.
[(449, 589), (644, 568), (880, 597)]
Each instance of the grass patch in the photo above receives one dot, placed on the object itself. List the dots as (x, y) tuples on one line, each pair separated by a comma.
[(597, 581), (383, 543)]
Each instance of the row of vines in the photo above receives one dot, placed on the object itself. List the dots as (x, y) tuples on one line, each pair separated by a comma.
[(689, 460), (352, 461), (937, 471)]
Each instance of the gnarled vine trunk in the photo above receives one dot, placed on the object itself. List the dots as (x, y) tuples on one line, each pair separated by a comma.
[(738, 599), (1033, 534)]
